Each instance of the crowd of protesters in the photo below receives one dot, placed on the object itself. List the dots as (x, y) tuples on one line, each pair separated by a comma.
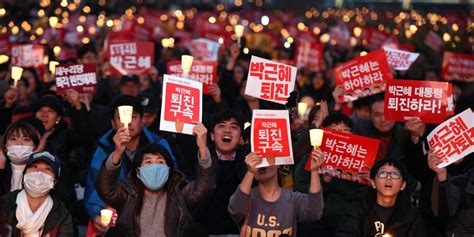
[(65, 158)]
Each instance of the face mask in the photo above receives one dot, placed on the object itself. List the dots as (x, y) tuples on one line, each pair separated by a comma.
[(153, 176), (19, 154), (38, 184)]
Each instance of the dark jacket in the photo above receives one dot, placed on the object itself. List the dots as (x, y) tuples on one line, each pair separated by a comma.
[(58, 223), (181, 197), (360, 219), (453, 200)]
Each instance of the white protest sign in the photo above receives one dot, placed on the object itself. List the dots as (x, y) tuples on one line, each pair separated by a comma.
[(399, 59)]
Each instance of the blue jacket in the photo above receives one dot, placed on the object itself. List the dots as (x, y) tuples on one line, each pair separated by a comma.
[(103, 150)]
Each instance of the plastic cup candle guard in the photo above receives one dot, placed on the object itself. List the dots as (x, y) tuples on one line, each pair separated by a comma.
[(302, 107), (125, 114), (52, 67), (316, 137), (106, 216), (16, 74), (186, 63), (239, 32)]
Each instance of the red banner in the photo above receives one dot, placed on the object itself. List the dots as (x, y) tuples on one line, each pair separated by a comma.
[(457, 66), (346, 155), (81, 77), (201, 71), (4, 45), (27, 55), (131, 58), (363, 76), (270, 137), (309, 55), (453, 139), (424, 99)]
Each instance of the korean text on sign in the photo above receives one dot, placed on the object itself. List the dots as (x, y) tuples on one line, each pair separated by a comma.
[(457, 66), (27, 55), (363, 76), (270, 80), (399, 59), (271, 136), (81, 77), (346, 155), (201, 71), (131, 57), (309, 55), (453, 139), (425, 99), (181, 104)]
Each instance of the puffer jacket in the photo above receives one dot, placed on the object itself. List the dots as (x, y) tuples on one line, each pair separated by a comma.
[(360, 220), (181, 197)]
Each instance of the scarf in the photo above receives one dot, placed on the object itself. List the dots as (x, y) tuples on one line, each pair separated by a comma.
[(29, 223)]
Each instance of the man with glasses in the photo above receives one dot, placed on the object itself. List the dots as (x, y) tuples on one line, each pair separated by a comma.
[(385, 208)]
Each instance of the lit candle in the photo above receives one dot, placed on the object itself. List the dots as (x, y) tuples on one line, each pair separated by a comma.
[(186, 63), (316, 137), (302, 107), (246, 125), (16, 74), (52, 67), (125, 114), (239, 32), (106, 216)]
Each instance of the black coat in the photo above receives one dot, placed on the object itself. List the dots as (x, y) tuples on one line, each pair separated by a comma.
[(360, 219)]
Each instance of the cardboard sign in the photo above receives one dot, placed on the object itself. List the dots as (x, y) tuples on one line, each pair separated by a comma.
[(309, 55), (27, 55), (131, 58), (457, 66), (363, 76), (434, 41), (204, 49), (424, 99), (81, 77), (271, 137), (399, 59), (270, 80), (201, 71), (181, 104), (346, 155), (453, 139)]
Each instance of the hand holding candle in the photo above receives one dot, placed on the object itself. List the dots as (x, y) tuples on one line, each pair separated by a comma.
[(186, 64), (52, 67), (106, 216), (125, 114), (16, 74)]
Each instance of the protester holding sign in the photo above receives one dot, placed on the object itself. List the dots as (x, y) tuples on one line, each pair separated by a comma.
[(385, 209), (269, 208)]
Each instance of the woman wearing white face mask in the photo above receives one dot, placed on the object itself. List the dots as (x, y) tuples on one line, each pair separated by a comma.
[(20, 140), (33, 211)]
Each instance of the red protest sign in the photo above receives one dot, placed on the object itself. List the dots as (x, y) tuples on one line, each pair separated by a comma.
[(4, 44), (363, 76), (270, 80), (81, 77), (270, 137), (131, 57), (201, 71), (457, 66), (434, 41), (309, 55), (181, 104), (27, 55), (453, 139), (424, 99), (399, 59), (374, 37), (346, 155)]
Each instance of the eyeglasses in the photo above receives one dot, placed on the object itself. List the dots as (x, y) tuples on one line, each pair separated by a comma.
[(384, 174)]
